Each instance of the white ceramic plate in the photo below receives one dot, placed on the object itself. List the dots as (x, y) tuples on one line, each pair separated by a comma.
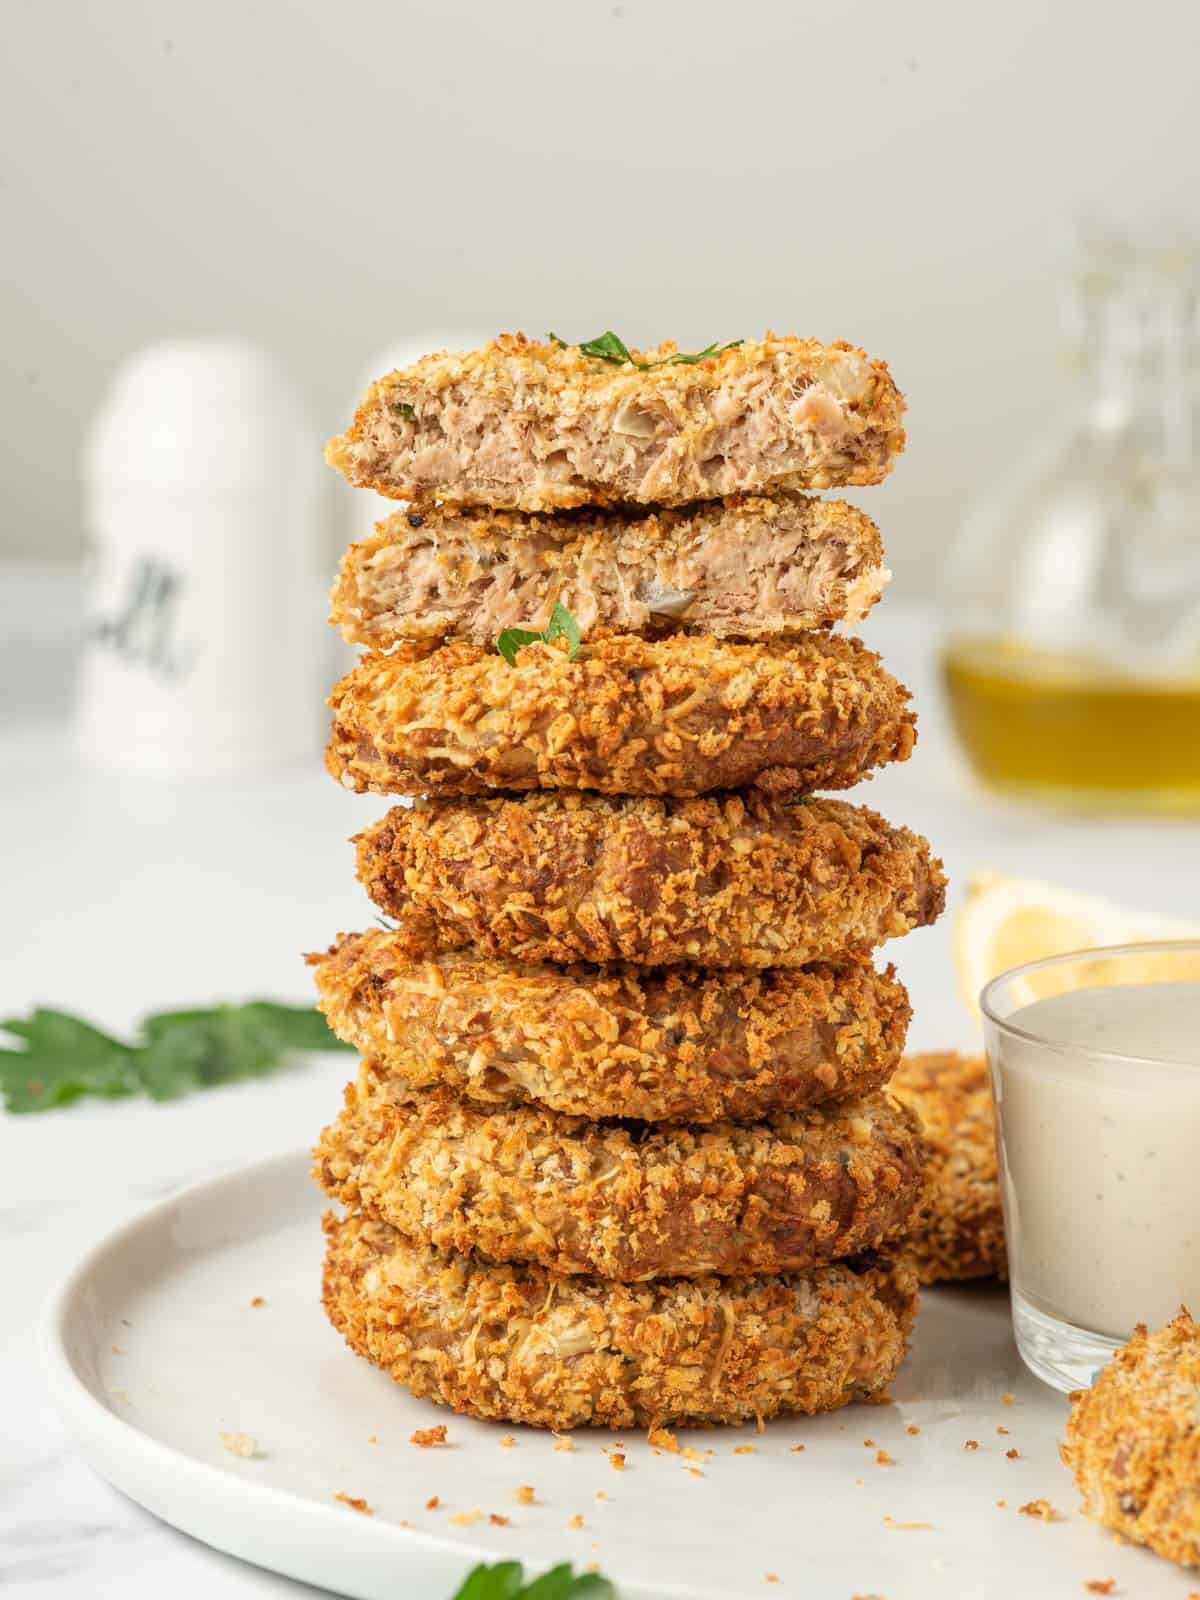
[(154, 1349)]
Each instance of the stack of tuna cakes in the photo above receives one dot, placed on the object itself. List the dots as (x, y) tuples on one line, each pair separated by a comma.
[(621, 1150)]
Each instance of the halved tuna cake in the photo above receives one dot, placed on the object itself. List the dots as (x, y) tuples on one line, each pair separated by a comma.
[(543, 427)]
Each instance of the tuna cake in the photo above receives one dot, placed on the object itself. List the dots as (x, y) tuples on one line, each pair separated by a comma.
[(746, 568), (957, 1231), (1133, 1441), (666, 1044), (626, 1201), (519, 425), (674, 716), (724, 881), (516, 1344)]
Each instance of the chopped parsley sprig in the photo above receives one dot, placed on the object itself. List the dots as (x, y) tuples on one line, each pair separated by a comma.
[(561, 625), (62, 1058), (613, 349), (506, 1581)]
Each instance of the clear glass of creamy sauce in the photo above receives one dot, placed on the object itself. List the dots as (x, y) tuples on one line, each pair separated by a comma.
[(1095, 1064)]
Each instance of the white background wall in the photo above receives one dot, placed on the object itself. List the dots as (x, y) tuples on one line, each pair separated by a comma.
[(326, 175)]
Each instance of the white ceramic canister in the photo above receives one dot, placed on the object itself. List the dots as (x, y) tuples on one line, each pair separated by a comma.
[(202, 653)]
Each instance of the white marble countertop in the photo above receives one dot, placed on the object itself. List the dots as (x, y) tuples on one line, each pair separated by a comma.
[(125, 895)]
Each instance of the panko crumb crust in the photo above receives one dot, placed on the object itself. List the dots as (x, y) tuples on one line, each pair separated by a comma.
[(518, 1344), (744, 568), (723, 881), (531, 426), (625, 1201), (1133, 1441), (673, 716), (668, 1044), (957, 1230)]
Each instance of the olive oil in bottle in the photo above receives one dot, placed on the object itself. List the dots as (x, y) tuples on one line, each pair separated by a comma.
[(1065, 730)]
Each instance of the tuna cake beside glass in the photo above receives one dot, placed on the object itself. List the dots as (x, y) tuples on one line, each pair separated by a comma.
[(622, 1148)]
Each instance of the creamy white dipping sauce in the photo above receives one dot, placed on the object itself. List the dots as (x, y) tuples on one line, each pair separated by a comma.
[(1100, 1159)]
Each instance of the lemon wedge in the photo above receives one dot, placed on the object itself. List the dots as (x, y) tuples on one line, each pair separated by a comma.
[(1006, 922)]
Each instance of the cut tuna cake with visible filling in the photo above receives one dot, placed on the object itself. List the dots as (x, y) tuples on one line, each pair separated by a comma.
[(675, 716), (518, 1344), (725, 881), (744, 568), (667, 1044), (545, 426), (621, 1199)]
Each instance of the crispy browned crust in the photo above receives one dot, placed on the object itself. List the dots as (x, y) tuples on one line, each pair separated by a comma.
[(668, 1044), (1133, 1441), (723, 881), (677, 716), (539, 428), (623, 1201), (957, 1230), (517, 1344), (743, 568)]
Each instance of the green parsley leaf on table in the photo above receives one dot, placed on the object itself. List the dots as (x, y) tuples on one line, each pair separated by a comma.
[(561, 625), (62, 1058), (505, 1581)]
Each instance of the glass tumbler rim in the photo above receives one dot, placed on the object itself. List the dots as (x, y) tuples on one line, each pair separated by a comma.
[(1135, 948)]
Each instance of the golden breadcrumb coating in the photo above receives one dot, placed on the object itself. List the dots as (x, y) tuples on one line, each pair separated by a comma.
[(724, 881), (746, 568), (517, 1344), (666, 1044), (957, 1230), (1133, 1441), (537, 427), (676, 716), (623, 1201)]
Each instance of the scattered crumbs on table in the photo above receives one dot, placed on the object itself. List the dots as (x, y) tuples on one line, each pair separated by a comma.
[(1100, 1585), (356, 1503), (428, 1438), (239, 1444), (695, 1472), (971, 1444), (616, 1460), (405, 1523), (1012, 1454), (118, 1350), (1002, 1504), (464, 1519), (497, 1521), (907, 1527), (663, 1439), (1040, 1508), (523, 1494), (689, 1454), (1008, 1399), (257, 1301), (576, 1521), (913, 1429), (432, 1503), (507, 1442), (885, 1460), (125, 1322), (795, 1450), (860, 1483), (1001, 1429), (772, 1577), (600, 1495), (868, 1444), (564, 1441), (371, 1439), (743, 1449)]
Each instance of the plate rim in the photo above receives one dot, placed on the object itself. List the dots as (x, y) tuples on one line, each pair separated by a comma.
[(122, 1453)]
